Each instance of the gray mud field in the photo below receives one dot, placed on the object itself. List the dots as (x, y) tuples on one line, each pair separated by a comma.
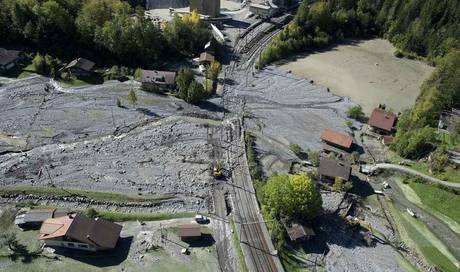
[(79, 138), (281, 109)]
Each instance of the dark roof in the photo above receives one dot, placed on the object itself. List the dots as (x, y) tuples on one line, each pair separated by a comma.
[(334, 168), (297, 231), (81, 63), (336, 138), (189, 230), (98, 232), (8, 56), (38, 215), (206, 56), (158, 77), (382, 119)]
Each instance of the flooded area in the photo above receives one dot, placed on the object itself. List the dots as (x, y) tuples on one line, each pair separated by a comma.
[(367, 72)]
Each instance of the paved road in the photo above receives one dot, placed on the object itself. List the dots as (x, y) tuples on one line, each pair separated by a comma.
[(413, 172)]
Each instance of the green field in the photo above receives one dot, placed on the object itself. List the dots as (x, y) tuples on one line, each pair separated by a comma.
[(415, 234), (96, 195)]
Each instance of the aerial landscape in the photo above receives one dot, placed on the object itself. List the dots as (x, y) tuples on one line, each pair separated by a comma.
[(230, 135)]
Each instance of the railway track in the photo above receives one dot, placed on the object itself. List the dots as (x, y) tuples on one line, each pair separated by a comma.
[(252, 235)]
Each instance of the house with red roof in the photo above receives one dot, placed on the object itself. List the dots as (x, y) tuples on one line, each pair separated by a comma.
[(382, 121)]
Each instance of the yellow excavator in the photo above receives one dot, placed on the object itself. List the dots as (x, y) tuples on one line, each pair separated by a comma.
[(217, 170)]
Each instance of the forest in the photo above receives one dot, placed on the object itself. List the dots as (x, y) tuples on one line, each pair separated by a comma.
[(106, 31), (424, 29)]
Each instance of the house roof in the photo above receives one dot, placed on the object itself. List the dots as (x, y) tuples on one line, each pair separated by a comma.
[(387, 139), (158, 77), (382, 119), (206, 56), (189, 230), (336, 138), (334, 168), (97, 232), (8, 56), (81, 63), (38, 215), (297, 231)]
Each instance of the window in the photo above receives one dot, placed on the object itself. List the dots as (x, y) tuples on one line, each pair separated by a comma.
[(83, 246), (71, 244)]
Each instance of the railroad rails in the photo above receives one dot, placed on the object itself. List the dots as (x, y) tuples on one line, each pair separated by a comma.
[(253, 233)]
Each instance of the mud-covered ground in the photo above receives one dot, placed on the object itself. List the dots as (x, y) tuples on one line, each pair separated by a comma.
[(281, 109), (80, 138)]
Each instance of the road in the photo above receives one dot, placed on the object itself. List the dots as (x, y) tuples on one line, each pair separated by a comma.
[(413, 172)]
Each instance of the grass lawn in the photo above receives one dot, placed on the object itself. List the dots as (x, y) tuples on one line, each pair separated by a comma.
[(102, 196), (415, 234), (120, 216), (443, 201)]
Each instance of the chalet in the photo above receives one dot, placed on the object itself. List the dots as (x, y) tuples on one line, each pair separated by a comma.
[(80, 232), (161, 79), (382, 121), (299, 233), (330, 169), (80, 67), (35, 217), (448, 120), (189, 232), (9, 59), (206, 58), (336, 140)]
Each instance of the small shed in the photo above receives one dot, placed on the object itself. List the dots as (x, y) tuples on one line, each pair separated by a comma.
[(298, 232), (206, 58), (189, 232)]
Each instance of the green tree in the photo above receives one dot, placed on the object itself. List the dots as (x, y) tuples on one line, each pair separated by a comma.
[(196, 93), (291, 197), (415, 143), (355, 112), (132, 97), (183, 80)]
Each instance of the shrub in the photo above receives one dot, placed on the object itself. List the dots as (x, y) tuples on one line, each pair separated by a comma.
[(355, 112), (313, 157), (132, 96), (341, 186), (296, 149), (398, 54)]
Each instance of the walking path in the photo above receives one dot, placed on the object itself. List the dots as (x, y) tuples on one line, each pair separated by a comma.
[(413, 172)]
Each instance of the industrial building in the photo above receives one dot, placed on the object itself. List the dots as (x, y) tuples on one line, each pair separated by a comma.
[(209, 8)]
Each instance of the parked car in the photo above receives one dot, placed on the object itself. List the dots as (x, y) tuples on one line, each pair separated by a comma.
[(201, 219)]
